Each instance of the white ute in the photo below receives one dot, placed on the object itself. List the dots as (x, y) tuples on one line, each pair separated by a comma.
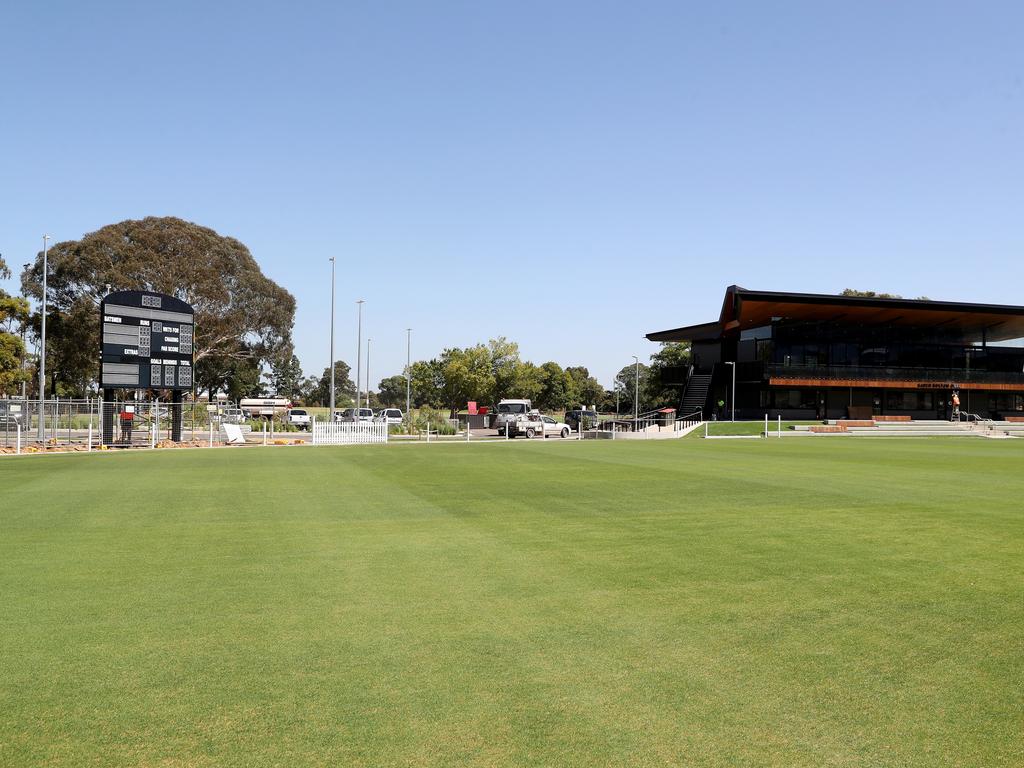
[(510, 411), (299, 417)]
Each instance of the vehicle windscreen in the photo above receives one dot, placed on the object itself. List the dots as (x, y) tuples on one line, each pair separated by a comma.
[(297, 412), (365, 412), (512, 408)]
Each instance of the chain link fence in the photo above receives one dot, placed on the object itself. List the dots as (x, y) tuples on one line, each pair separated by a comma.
[(91, 422)]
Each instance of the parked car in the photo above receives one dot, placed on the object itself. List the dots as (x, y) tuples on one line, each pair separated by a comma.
[(554, 428), (533, 424), (298, 417), (573, 418), (389, 415), (349, 414), (232, 416)]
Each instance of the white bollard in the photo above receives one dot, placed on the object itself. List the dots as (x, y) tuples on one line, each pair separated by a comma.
[(467, 429), (428, 433), (705, 429), (766, 425), (780, 425), (211, 431), (18, 443), (264, 432), (88, 446)]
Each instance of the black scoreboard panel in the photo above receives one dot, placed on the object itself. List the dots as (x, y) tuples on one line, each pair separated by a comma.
[(146, 341)]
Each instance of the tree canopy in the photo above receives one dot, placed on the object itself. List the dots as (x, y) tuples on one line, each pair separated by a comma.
[(490, 372), (13, 315), (241, 315), (319, 391), (869, 294)]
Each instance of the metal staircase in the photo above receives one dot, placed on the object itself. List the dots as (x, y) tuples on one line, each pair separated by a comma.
[(696, 394)]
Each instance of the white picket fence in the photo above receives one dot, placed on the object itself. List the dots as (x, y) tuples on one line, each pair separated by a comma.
[(349, 433)]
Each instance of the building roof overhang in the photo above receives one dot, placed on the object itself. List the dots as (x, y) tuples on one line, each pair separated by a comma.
[(744, 309)]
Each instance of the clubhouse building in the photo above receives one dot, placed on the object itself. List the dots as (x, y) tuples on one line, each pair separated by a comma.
[(813, 356)]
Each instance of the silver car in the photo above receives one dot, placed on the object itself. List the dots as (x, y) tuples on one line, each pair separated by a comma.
[(554, 428)]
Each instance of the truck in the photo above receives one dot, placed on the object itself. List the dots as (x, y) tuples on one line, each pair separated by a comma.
[(534, 424), (299, 417), (509, 411)]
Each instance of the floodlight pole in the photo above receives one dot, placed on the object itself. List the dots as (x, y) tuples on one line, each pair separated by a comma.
[(359, 356), (42, 346), (408, 376), (636, 396), (332, 341), (368, 340)]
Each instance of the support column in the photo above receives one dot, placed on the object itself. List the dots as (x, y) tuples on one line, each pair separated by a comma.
[(107, 418), (177, 415)]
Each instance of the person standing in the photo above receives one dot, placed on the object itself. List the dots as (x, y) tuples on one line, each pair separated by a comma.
[(956, 405)]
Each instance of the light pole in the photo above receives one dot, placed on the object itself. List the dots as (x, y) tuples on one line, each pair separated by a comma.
[(636, 395), (359, 356), (368, 340), (331, 411), (42, 346), (732, 398), (408, 376)]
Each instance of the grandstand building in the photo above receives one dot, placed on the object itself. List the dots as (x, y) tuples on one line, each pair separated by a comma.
[(813, 356)]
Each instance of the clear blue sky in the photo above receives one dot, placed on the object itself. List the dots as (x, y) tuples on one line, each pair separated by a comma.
[(569, 175)]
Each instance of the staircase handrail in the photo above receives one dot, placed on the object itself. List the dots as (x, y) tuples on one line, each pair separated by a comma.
[(698, 414), (965, 416)]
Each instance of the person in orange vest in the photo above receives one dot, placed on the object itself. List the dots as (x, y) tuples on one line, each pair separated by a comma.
[(956, 405)]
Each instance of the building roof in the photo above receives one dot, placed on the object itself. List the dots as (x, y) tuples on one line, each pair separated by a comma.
[(743, 308)]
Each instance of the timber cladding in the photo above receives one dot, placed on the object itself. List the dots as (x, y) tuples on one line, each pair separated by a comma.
[(777, 381)]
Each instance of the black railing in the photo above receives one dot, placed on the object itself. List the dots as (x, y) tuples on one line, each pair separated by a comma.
[(887, 373)]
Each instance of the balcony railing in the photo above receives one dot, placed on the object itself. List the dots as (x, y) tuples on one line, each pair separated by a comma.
[(892, 373)]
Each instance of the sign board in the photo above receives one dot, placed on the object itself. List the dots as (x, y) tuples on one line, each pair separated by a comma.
[(146, 341), (233, 433)]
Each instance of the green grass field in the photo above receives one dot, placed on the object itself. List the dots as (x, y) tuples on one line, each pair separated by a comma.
[(682, 603)]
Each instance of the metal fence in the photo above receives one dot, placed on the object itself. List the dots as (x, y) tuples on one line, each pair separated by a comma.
[(349, 433), (81, 422)]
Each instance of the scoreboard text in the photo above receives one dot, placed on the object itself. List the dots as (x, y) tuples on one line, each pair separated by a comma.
[(146, 341)]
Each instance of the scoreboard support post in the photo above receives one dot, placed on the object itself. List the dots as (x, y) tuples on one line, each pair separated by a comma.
[(177, 415), (107, 426)]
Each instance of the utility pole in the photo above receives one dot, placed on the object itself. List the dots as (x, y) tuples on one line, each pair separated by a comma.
[(331, 412), (359, 357), (408, 376), (368, 340), (42, 347)]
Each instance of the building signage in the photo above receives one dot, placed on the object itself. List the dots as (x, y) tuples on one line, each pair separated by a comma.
[(146, 341)]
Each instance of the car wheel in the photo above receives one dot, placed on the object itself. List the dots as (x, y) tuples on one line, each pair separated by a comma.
[(529, 433), (565, 432)]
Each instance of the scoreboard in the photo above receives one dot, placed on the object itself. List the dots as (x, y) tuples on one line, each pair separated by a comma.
[(146, 341)]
